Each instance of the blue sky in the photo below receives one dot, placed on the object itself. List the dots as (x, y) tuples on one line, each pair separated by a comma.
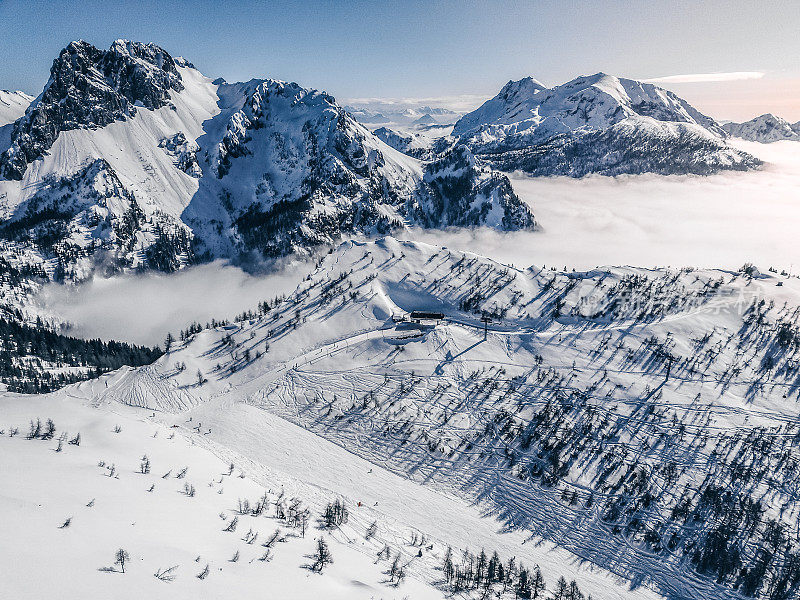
[(436, 49)]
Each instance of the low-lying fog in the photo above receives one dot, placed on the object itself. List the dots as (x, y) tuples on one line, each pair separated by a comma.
[(142, 308), (719, 221)]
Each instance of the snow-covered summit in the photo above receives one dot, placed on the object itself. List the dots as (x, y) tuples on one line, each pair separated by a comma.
[(90, 88), (517, 99), (219, 170), (527, 124), (591, 102), (766, 128)]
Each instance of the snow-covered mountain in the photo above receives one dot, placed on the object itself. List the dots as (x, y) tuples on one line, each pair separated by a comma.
[(133, 156), (398, 114), (765, 129), (596, 124), (12, 106), (637, 427), (90, 88)]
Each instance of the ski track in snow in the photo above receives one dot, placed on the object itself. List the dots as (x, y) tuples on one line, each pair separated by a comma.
[(268, 413)]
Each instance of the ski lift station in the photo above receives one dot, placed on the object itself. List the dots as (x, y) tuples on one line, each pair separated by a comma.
[(425, 318)]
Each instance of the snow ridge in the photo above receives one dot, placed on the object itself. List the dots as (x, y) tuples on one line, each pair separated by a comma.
[(765, 129), (597, 124)]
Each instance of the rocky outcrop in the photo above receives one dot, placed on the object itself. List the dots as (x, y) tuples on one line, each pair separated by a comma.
[(90, 88)]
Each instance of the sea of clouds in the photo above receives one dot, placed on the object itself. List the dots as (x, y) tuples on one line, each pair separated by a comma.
[(722, 221)]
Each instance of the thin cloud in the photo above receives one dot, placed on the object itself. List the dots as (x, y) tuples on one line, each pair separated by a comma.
[(459, 103), (707, 77)]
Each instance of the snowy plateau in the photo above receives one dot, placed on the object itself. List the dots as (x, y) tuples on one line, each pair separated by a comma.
[(410, 408)]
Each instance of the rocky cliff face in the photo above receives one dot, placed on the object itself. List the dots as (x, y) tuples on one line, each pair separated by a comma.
[(462, 193), (89, 87), (316, 173)]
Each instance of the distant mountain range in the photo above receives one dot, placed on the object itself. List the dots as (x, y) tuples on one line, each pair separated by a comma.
[(403, 115), (131, 158), (765, 129)]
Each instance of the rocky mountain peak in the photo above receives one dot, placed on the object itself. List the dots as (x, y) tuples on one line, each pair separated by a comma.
[(88, 88)]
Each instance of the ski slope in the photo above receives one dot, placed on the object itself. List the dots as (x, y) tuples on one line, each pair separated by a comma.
[(654, 385)]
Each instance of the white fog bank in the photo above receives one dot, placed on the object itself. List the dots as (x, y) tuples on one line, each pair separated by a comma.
[(142, 308), (718, 221)]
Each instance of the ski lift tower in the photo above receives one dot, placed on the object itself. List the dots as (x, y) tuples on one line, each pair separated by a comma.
[(485, 320)]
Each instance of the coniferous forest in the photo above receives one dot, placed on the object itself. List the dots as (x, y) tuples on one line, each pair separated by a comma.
[(37, 360)]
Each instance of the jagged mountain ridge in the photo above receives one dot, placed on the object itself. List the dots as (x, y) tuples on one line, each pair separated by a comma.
[(320, 162), (242, 171), (596, 124), (89, 87), (765, 129)]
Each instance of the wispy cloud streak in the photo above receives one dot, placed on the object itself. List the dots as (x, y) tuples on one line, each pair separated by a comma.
[(708, 77), (459, 103)]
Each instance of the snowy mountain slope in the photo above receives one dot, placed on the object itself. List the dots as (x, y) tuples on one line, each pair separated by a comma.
[(598, 119), (174, 516), (242, 171), (463, 192), (77, 220), (296, 171), (166, 487), (144, 171), (631, 146), (12, 106), (765, 129), (642, 420)]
